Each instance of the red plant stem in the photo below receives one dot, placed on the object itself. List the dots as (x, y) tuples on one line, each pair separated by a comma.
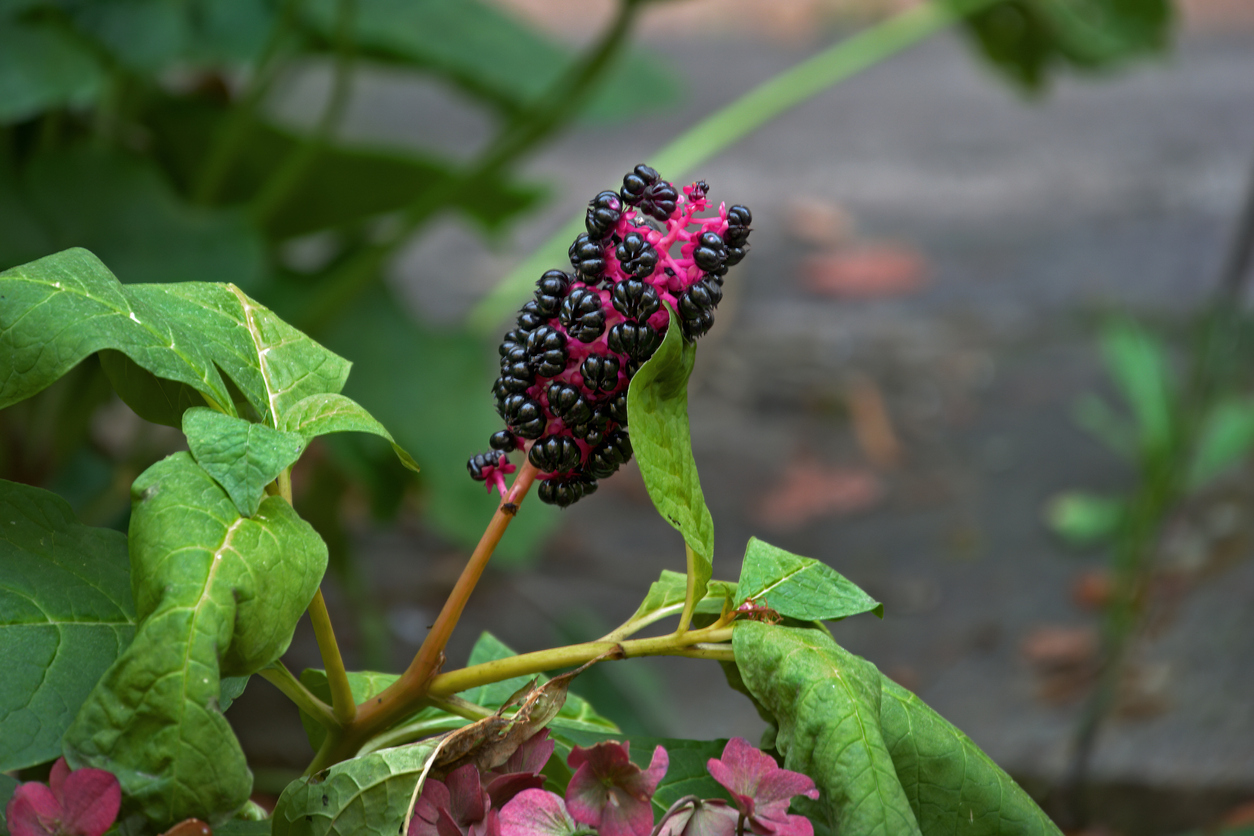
[(404, 696)]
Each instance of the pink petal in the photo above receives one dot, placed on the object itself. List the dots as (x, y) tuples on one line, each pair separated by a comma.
[(760, 787), (713, 818), (536, 812), (625, 816), (468, 801), (445, 825), (91, 799), (531, 756), (657, 770), (33, 811), (786, 826), (60, 770), (503, 788), (586, 796)]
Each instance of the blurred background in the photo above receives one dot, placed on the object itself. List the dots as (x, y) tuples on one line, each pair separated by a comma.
[(988, 357)]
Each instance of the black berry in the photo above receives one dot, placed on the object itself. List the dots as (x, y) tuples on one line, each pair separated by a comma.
[(600, 372), (582, 315), (587, 258), (635, 299), (555, 454), (603, 213), (636, 255), (635, 339)]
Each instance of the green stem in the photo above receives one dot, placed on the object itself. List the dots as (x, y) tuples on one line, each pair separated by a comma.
[(738, 119), (409, 691), (280, 677), (690, 595), (521, 135), (337, 677), (283, 181), (525, 664), (231, 136)]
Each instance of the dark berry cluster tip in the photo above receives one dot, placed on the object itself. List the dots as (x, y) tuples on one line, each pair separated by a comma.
[(566, 365)]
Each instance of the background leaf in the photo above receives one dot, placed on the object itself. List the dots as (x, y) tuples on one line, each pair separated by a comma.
[(344, 184), (331, 413), (826, 703), (1137, 362), (952, 785), (1084, 519), (369, 794), (118, 206), (657, 412), (450, 37), (217, 594), (42, 67), (799, 587), (1227, 436), (65, 615), (242, 457), (1027, 39)]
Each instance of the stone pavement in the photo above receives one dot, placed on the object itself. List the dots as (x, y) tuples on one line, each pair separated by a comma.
[(1007, 229)]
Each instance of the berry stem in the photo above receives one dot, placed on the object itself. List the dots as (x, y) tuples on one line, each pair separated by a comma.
[(342, 702), (408, 693)]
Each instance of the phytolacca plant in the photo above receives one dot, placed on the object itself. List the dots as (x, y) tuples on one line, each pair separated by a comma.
[(566, 367), (82, 802)]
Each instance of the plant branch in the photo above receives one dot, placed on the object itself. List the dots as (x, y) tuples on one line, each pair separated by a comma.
[(280, 677), (690, 595), (525, 664), (409, 691), (743, 116), (342, 701)]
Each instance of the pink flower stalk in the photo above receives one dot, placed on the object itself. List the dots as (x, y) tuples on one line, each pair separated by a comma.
[(566, 367), (83, 802), (762, 790), (611, 793)]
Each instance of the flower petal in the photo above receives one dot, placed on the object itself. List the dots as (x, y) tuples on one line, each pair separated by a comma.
[(90, 799), (536, 812), (33, 811)]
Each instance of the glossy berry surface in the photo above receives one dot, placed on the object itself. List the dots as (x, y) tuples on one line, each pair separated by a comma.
[(566, 365)]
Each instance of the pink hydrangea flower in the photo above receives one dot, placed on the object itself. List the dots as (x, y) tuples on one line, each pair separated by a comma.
[(762, 790), (611, 793), (693, 816), (537, 812), (83, 802)]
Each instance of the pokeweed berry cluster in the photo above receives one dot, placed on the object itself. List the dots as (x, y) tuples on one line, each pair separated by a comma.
[(565, 368)]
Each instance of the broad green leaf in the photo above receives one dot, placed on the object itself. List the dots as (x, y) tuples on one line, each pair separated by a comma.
[(1084, 519), (453, 38), (434, 390), (1226, 438), (152, 398), (65, 615), (58, 310), (799, 587), (230, 689), (364, 685), (657, 412), (826, 703), (670, 588), (342, 186), (1137, 362), (366, 795), (1026, 39), (43, 67), (217, 595), (244, 827), (331, 413), (953, 787), (242, 457), (120, 207)]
